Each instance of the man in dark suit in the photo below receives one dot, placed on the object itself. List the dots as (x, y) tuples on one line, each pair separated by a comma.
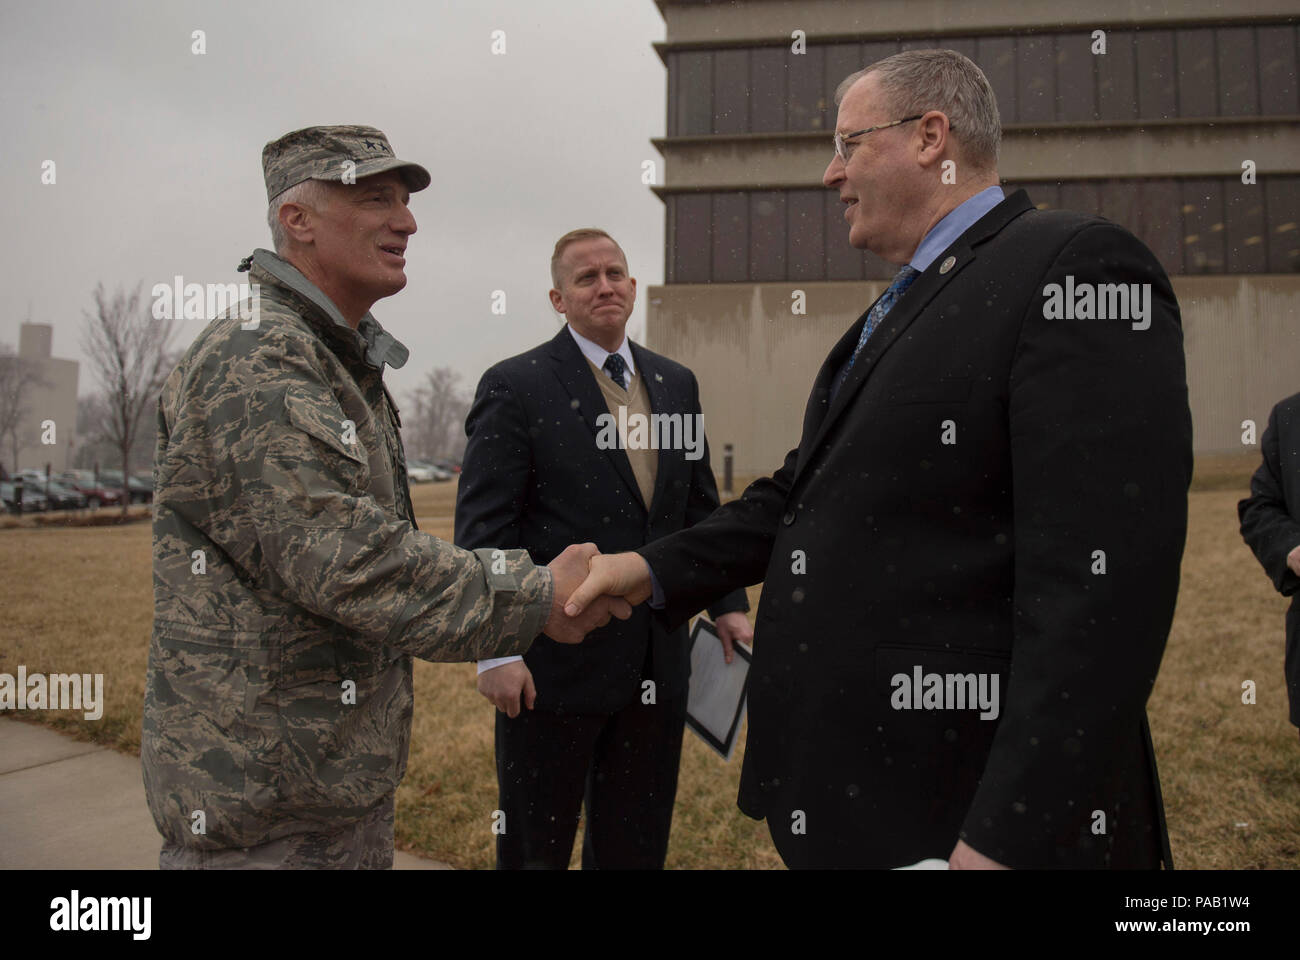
[(970, 561), (1270, 525), (590, 437)]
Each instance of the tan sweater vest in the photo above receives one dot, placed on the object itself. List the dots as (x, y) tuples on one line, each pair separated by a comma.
[(645, 463)]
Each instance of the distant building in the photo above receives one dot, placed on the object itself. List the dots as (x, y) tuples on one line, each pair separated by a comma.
[(54, 399), (1152, 134)]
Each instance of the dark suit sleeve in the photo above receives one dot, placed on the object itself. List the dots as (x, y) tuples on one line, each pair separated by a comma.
[(495, 474), (1266, 524), (727, 550), (1101, 461), (702, 500)]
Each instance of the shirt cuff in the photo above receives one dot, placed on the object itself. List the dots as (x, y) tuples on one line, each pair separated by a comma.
[(495, 662)]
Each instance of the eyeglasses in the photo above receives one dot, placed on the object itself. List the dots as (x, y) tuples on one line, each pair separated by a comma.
[(842, 139)]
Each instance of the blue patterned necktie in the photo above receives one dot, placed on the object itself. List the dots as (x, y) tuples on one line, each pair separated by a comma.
[(616, 367), (902, 280)]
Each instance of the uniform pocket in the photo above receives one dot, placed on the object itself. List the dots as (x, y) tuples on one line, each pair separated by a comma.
[(205, 734)]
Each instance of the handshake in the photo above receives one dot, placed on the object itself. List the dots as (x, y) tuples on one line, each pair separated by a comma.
[(591, 587)]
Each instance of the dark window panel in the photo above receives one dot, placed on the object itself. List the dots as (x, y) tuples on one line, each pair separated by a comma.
[(767, 89), (694, 94), (673, 66), (1119, 204), (842, 261), (1283, 194), (670, 239), (806, 237), (730, 237), (1117, 78), (807, 90), (842, 59), (731, 91), (1277, 70), (1036, 78), (997, 58), (1238, 68), (1157, 80), (1243, 208), (1076, 76), (1081, 195), (1197, 74), (1162, 222), (692, 229), (767, 236), (966, 46), (1204, 232), (876, 51)]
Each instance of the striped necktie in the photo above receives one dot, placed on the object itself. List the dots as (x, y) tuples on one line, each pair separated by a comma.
[(902, 280)]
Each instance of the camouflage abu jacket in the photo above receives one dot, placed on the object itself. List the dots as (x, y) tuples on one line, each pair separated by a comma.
[(291, 587)]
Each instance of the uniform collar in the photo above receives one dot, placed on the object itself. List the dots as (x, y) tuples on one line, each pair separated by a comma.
[(373, 343)]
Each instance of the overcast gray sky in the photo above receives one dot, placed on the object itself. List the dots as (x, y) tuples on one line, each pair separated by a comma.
[(158, 150)]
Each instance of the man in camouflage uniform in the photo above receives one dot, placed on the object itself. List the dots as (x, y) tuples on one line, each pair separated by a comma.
[(291, 586)]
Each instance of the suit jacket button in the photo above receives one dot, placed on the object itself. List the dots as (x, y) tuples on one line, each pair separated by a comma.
[(788, 519)]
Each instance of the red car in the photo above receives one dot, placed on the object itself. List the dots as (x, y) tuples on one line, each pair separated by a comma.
[(96, 494)]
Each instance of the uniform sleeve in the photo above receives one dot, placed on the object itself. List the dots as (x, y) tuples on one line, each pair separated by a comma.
[(1266, 524), (297, 517)]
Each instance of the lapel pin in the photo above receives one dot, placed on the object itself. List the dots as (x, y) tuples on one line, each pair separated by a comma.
[(947, 265), (659, 378)]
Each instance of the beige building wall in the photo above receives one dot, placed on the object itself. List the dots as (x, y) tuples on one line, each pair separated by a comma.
[(756, 361), (53, 400)]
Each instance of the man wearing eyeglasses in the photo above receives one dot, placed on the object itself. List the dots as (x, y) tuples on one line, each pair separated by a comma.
[(990, 502)]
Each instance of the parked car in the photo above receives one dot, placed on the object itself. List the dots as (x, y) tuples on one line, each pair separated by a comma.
[(417, 471), (97, 494), (451, 466), (440, 472), (34, 500), (140, 492), (61, 495)]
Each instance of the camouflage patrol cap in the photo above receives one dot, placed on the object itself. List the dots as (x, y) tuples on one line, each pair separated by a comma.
[(328, 153)]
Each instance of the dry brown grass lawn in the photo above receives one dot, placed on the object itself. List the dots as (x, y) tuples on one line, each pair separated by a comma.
[(80, 600)]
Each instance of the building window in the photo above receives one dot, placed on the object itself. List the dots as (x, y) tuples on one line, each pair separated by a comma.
[(1038, 78), (1192, 225)]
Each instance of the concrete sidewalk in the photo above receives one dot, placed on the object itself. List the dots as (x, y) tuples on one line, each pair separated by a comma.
[(70, 805)]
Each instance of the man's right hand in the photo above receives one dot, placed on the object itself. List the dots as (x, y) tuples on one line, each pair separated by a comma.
[(624, 575), (568, 570), (1293, 561), (506, 684)]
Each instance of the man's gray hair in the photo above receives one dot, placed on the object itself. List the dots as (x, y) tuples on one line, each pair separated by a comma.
[(310, 193), (915, 81)]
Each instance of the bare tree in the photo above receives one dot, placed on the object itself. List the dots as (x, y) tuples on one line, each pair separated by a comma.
[(438, 426), (96, 446), (16, 381), (130, 353)]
